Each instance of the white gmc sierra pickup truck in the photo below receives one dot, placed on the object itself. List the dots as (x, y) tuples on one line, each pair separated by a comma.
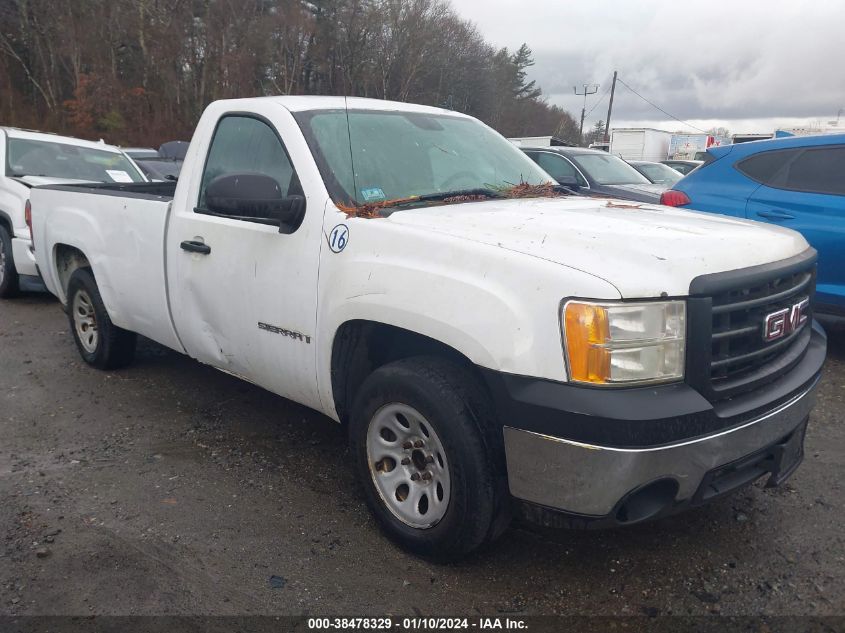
[(494, 345)]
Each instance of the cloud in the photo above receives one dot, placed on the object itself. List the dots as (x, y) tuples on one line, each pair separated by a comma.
[(746, 61)]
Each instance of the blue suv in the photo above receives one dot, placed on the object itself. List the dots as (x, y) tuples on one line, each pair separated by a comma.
[(796, 182)]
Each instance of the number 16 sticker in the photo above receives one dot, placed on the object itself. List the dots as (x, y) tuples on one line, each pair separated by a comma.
[(338, 238)]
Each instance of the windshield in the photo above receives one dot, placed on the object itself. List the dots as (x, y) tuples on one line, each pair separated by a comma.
[(398, 155), (606, 169), (28, 157), (660, 174)]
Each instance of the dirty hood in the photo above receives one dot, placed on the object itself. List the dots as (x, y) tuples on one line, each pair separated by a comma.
[(643, 250)]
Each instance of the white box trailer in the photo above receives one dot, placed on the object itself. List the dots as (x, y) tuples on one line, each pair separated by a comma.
[(693, 146), (539, 141), (640, 144), (746, 138), (805, 131)]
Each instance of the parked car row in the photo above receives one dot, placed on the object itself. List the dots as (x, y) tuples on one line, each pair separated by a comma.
[(35, 158), (31, 159), (657, 173), (162, 164), (594, 172), (683, 166), (494, 345)]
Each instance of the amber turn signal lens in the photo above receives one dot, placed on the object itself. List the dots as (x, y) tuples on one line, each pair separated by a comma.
[(587, 331), (624, 343)]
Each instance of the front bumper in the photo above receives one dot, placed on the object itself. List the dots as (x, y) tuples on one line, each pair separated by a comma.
[(618, 457), (592, 480), (24, 256)]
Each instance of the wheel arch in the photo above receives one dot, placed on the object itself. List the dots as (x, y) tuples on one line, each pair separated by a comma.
[(67, 259), (360, 346), (6, 222)]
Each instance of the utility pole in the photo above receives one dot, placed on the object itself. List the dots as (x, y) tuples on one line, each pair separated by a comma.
[(610, 109), (589, 89)]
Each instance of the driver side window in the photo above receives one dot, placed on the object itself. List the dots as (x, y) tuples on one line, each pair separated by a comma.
[(243, 144), (558, 167)]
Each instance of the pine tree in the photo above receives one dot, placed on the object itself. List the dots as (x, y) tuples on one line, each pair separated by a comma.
[(595, 135), (522, 60)]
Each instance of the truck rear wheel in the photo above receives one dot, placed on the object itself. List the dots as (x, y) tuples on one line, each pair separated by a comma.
[(8, 273), (100, 342), (425, 450)]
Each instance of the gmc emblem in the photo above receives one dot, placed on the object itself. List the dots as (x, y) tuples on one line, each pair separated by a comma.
[(779, 324)]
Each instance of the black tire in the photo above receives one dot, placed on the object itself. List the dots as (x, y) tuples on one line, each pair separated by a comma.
[(114, 347), (9, 280), (457, 407)]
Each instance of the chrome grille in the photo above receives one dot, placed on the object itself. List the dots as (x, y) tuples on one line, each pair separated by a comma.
[(740, 355)]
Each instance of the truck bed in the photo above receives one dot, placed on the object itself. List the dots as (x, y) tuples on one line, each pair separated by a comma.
[(120, 230), (144, 190)]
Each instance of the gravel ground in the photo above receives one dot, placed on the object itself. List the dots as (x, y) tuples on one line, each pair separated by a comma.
[(172, 488)]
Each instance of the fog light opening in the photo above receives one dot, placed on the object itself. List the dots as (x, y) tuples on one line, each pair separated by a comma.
[(648, 501)]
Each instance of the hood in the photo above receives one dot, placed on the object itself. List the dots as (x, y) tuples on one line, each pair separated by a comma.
[(644, 250), (35, 181), (645, 192)]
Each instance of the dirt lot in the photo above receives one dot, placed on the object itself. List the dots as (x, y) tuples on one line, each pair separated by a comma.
[(170, 487)]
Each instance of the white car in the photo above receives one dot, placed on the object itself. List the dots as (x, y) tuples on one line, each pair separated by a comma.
[(33, 158), (492, 348)]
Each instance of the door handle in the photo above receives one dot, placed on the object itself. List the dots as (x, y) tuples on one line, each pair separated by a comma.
[(775, 215), (193, 246)]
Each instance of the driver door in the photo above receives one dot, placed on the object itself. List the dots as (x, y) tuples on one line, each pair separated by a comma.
[(243, 295)]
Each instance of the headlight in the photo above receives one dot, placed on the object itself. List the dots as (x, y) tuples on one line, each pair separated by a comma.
[(624, 343)]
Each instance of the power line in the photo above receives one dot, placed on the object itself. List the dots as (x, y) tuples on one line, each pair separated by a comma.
[(654, 105), (601, 98)]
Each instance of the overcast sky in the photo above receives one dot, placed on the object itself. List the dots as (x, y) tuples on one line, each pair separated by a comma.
[(748, 65)]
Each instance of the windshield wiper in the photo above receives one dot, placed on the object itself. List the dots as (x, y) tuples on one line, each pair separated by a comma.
[(569, 191), (479, 192), (458, 193)]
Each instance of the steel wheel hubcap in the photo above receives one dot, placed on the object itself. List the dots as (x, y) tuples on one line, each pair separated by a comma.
[(85, 321), (408, 465)]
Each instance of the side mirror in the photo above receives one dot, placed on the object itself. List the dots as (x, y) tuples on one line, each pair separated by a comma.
[(254, 197), (568, 181)]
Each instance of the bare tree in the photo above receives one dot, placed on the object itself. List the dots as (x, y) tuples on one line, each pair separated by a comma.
[(142, 71)]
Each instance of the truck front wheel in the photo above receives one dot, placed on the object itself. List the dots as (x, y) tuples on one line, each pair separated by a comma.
[(424, 448), (100, 342)]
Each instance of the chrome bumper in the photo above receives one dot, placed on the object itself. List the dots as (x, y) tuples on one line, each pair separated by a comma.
[(585, 479)]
